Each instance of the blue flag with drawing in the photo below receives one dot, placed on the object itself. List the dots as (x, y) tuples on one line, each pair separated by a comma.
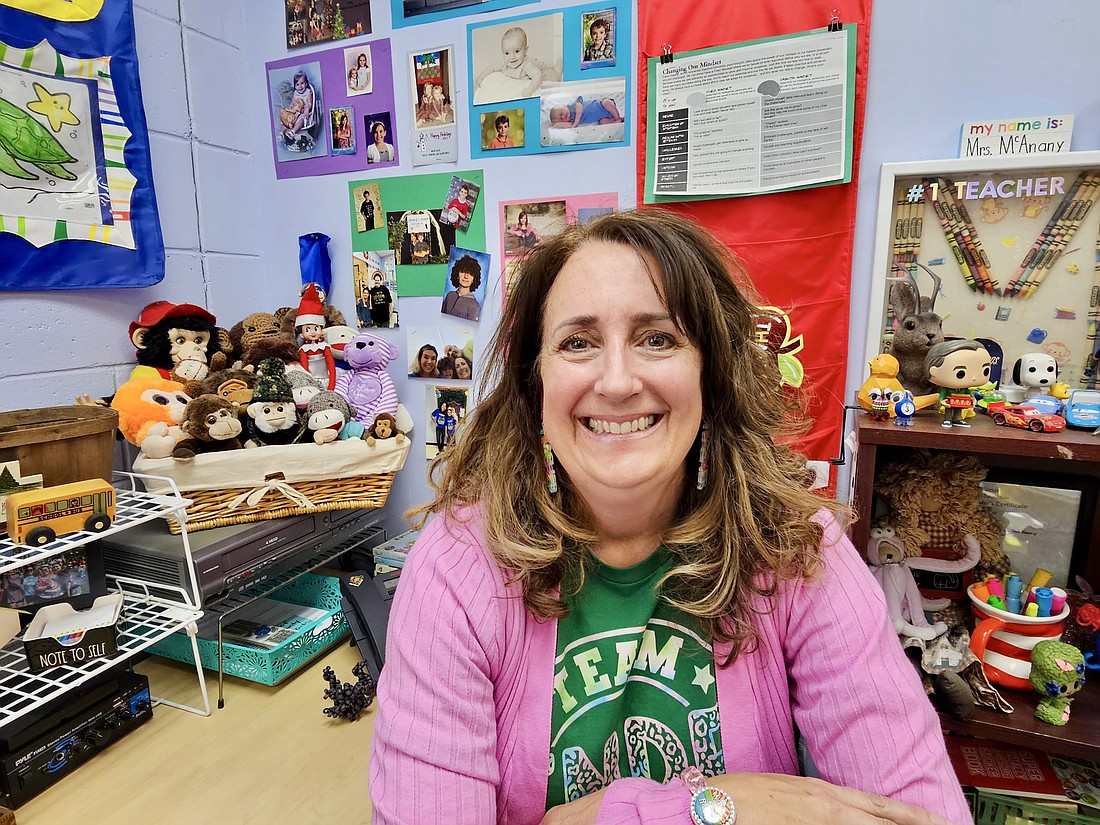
[(77, 207)]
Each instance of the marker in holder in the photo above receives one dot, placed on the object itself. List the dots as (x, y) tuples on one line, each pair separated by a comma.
[(1041, 578), (1043, 598), (1014, 588), (1057, 600), (996, 588)]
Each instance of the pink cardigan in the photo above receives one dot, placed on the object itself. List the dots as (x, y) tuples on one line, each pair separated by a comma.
[(463, 727)]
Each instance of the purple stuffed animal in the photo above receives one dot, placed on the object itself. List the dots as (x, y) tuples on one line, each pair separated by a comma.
[(366, 385)]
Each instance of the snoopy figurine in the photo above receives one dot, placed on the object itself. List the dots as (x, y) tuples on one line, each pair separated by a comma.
[(904, 408)]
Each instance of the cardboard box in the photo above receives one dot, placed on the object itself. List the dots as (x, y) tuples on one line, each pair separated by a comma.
[(59, 635)]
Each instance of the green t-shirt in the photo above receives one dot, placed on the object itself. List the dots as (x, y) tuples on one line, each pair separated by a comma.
[(634, 691)]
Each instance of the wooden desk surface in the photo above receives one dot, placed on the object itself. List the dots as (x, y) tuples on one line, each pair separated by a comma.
[(269, 756)]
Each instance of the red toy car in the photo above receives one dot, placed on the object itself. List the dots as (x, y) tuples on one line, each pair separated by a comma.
[(1028, 418)]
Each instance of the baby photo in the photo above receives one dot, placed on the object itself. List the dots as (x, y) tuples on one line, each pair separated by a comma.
[(419, 236), (380, 139), (446, 408), (357, 63), (367, 201), (598, 38), (445, 351), (512, 60), (586, 112), (375, 277), (431, 84), (340, 120), (464, 290), (295, 94), (503, 129), (459, 203)]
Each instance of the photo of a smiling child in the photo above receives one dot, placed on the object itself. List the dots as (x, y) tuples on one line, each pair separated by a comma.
[(598, 38)]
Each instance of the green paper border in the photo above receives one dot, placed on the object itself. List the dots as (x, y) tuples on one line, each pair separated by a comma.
[(419, 192)]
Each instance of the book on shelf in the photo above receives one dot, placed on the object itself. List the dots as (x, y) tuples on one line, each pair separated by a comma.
[(1010, 770)]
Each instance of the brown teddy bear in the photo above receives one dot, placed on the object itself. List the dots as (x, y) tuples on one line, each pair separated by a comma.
[(210, 424)]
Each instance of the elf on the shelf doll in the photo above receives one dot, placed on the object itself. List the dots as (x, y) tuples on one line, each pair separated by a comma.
[(315, 354)]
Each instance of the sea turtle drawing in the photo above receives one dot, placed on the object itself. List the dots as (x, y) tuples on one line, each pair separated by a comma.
[(22, 138)]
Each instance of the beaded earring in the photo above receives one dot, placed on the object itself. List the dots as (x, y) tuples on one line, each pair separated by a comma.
[(704, 456), (548, 457)]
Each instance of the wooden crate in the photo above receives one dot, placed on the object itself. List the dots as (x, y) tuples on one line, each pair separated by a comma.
[(64, 444)]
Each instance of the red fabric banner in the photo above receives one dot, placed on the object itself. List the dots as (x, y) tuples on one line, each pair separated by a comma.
[(796, 246)]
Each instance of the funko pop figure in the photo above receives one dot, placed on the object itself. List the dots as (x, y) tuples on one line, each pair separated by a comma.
[(956, 366)]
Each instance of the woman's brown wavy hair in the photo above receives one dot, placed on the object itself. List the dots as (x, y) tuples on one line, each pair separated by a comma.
[(749, 529)]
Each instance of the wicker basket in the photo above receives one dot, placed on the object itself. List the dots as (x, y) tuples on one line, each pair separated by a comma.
[(271, 482)]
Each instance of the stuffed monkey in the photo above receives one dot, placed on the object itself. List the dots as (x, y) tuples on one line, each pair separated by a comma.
[(178, 341), (211, 425)]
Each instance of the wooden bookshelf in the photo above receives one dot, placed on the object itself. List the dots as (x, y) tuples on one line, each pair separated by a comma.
[(1070, 453)]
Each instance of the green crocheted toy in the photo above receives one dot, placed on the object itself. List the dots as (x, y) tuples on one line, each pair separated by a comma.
[(1057, 672)]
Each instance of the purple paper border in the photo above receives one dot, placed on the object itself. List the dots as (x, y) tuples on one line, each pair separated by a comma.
[(334, 84)]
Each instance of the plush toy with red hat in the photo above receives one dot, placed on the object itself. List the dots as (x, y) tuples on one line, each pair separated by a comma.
[(176, 341), (315, 353)]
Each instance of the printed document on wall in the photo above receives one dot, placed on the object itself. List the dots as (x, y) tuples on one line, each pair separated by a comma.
[(763, 116)]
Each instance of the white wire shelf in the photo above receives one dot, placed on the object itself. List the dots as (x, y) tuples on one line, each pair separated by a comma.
[(141, 624), (132, 507)]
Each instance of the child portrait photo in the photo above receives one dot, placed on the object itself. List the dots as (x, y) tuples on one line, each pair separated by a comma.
[(357, 69), (379, 138), (432, 85), (464, 289), (459, 203), (341, 121), (367, 200), (598, 38), (503, 129), (297, 111), (512, 60)]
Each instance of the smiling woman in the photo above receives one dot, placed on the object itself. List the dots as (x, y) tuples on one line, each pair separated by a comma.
[(626, 571)]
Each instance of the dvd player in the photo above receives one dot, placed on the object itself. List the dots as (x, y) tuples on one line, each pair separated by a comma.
[(227, 559)]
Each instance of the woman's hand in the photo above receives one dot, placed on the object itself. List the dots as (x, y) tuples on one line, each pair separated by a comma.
[(778, 799), (581, 811)]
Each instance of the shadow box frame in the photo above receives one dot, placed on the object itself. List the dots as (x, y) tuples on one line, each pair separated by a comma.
[(958, 303)]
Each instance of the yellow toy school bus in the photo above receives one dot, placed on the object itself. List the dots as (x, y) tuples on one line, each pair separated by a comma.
[(37, 517)]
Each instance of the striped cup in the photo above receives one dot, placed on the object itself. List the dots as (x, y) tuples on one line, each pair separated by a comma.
[(1004, 641)]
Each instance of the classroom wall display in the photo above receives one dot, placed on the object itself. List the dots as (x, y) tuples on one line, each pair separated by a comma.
[(795, 246), (412, 12), (535, 65), (412, 228), (77, 206), (318, 21), (431, 90), (523, 223), (1005, 247), (303, 90)]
